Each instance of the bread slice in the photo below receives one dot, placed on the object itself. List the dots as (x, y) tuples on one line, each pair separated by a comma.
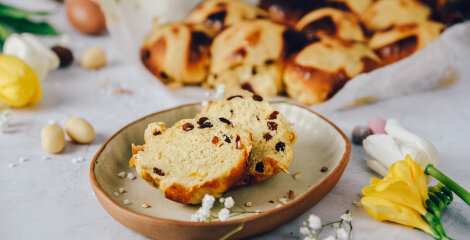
[(273, 137), (193, 158)]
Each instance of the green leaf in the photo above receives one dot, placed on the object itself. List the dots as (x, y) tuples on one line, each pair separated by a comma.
[(24, 25), (3, 36), (13, 12)]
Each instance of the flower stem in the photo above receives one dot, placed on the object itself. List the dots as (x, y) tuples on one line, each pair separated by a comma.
[(457, 189)]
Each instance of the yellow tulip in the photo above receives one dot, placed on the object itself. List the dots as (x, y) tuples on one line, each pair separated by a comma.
[(19, 84), (400, 197)]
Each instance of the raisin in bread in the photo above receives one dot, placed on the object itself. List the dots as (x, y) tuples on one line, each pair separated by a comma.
[(193, 158), (273, 138)]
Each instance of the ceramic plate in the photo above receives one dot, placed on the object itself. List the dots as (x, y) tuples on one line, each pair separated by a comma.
[(320, 144)]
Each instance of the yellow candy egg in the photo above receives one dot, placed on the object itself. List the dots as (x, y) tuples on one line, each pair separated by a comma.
[(19, 84)]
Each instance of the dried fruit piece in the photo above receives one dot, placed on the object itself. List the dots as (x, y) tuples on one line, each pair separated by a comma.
[(280, 146), (272, 126), (259, 167), (323, 169), (224, 120), (291, 194), (158, 171), (215, 140), (235, 96), (257, 97), (188, 127), (273, 115), (238, 143), (206, 125), (157, 133), (202, 120), (227, 138), (267, 136)]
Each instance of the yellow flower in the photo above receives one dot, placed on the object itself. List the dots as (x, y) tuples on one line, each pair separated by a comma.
[(400, 197), (19, 84)]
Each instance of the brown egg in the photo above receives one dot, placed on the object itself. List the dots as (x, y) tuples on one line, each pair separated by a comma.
[(85, 16)]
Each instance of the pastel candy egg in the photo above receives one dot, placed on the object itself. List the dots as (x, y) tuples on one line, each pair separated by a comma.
[(377, 125)]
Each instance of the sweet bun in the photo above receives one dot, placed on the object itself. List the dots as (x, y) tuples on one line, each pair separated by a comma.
[(402, 41), (289, 12), (178, 52), (330, 22), (193, 158), (219, 14), (385, 14), (272, 135), (356, 6), (251, 54), (322, 68)]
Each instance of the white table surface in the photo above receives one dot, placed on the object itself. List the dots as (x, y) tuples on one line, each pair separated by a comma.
[(52, 199)]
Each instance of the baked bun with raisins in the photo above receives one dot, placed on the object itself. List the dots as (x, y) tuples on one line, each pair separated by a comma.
[(289, 12), (219, 14), (272, 136), (251, 54), (384, 14), (178, 52), (402, 41), (193, 158), (330, 22), (356, 6), (322, 68)]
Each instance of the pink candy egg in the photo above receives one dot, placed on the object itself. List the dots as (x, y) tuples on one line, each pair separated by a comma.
[(376, 125)]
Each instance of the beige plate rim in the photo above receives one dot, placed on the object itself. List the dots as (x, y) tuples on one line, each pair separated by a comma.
[(338, 170)]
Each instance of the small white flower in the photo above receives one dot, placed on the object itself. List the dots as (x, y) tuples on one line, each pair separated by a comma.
[(309, 238), (121, 190), (223, 215), (329, 238), (341, 234), (126, 201), (304, 231), (221, 200), (314, 222), (248, 204), (283, 200), (122, 174), (116, 194), (278, 205), (347, 217), (208, 202), (229, 202), (200, 215)]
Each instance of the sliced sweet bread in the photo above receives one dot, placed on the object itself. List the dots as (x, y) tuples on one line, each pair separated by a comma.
[(193, 158), (272, 136)]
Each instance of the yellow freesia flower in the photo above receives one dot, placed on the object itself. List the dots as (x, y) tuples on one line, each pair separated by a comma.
[(19, 84), (400, 197)]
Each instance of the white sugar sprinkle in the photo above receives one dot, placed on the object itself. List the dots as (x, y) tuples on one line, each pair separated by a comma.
[(45, 158), (80, 159), (282, 200), (205, 103), (122, 174), (116, 194), (130, 176), (22, 159), (11, 165), (248, 204), (74, 160), (121, 190), (126, 201)]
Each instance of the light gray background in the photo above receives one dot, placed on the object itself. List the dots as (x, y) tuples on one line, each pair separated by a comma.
[(52, 199)]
